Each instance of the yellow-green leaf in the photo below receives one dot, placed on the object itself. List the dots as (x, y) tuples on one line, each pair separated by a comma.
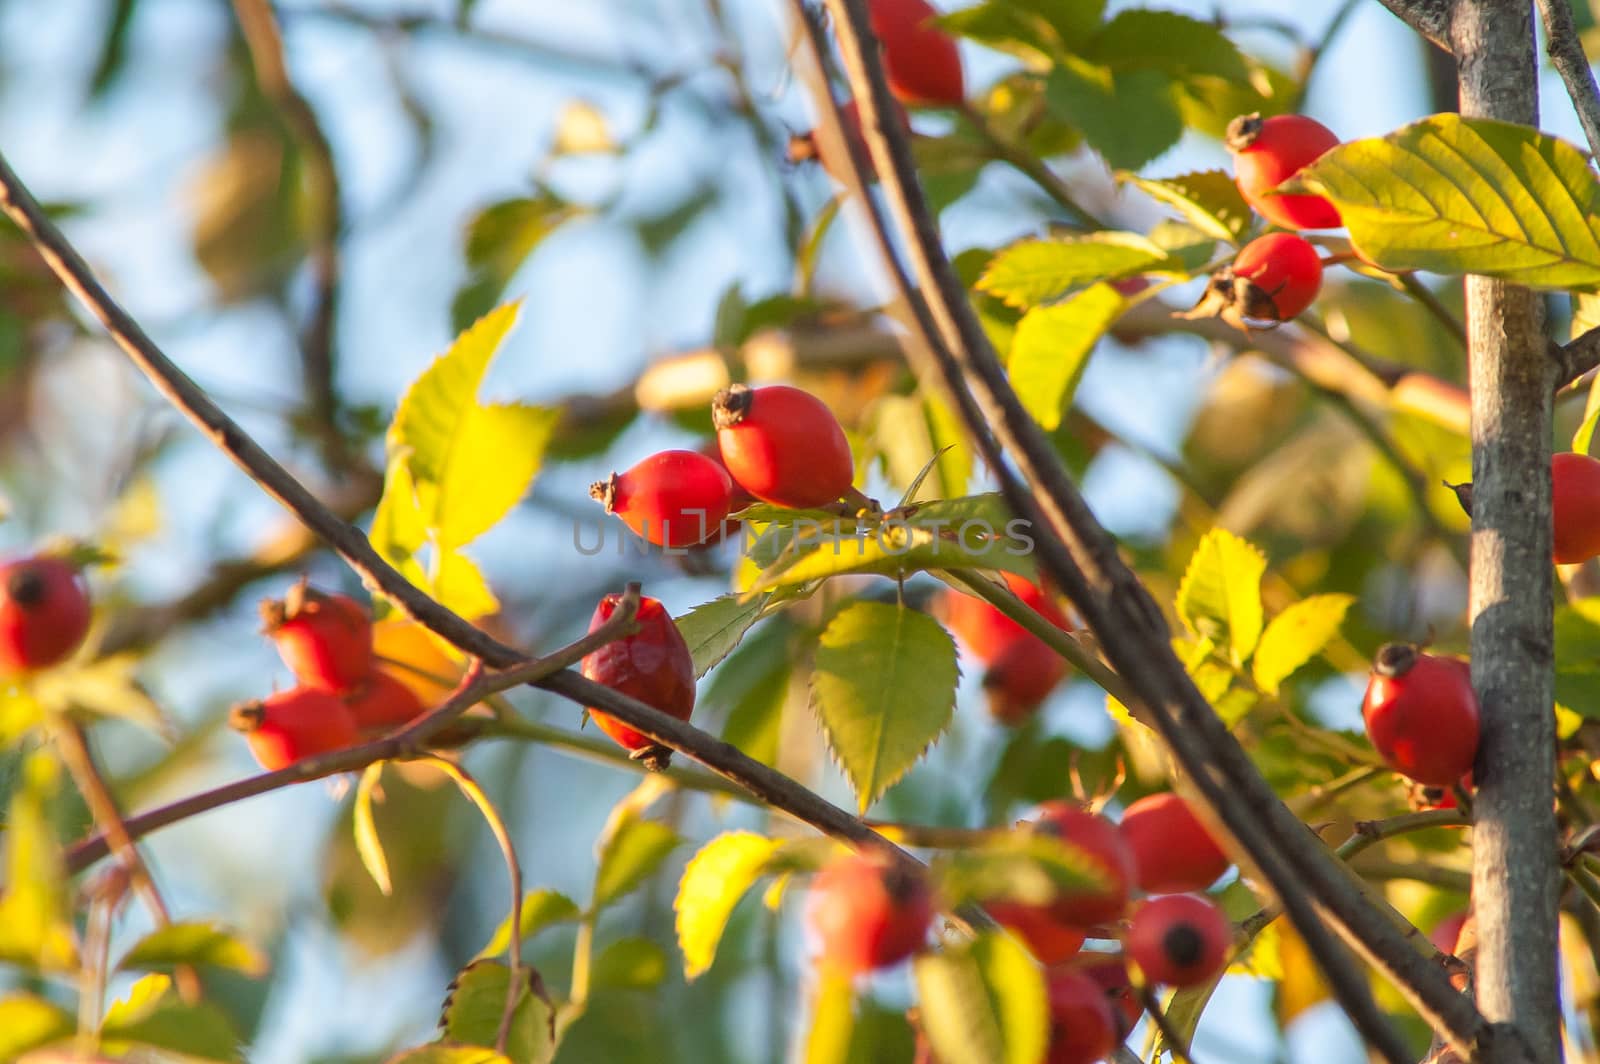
[(884, 687), (368, 844), (541, 908), (716, 878), (153, 1015), (197, 943), (634, 851), (399, 529), (833, 1019), (1297, 635), (985, 1004), (35, 928), (1208, 200), (476, 1006), (20, 714), (28, 1022), (1031, 868), (439, 1053), (1220, 596), (712, 629), (1035, 271), (1051, 350), (107, 687), (1467, 195), (629, 964), (459, 584)]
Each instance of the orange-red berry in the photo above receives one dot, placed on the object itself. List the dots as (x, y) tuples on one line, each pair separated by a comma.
[(783, 445), (1269, 151), (1421, 714), (1094, 841), (1047, 938), (1172, 849), (383, 702), (653, 665), (1082, 1027), (984, 630), (672, 499), (1021, 678), (1575, 505), (326, 640), (292, 725), (1179, 939), (868, 912), (44, 613), (1276, 277), (921, 60)]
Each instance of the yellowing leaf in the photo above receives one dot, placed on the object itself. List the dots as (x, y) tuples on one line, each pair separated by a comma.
[(712, 884), (1297, 635), (28, 1022), (1220, 596), (1051, 350), (1035, 271), (459, 584), (985, 1004), (368, 844), (884, 687), (35, 929), (1468, 195), (1208, 199), (398, 527), (197, 943), (541, 908), (634, 851)]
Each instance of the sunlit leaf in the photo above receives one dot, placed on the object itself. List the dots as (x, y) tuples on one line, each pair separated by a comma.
[(28, 1022), (368, 844), (153, 1015), (1034, 271), (630, 856), (195, 943), (1220, 596), (541, 908), (446, 1054), (884, 685), (985, 1004), (1467, 195), (1051, 350), (1297, 635), (712, 629), (459, 584), (35, 929), (716, 878), (1208, 200), (832, 1019)]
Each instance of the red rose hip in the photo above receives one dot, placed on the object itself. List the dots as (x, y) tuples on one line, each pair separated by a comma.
[(1275, 277), (673, 499), (986, 631), (1082, 1027), (1421, 714), (868, 913), (44, 614), (1575, 502), (1269, 151), (921, 60), (1095, 841), (326, 640), (653, 665), (1179, 939), (783, 445), (292, 725), (382, 702), (1021, 678), (1172, 849), (1047, 938)]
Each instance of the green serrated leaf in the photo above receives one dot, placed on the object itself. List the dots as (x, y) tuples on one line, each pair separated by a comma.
[(1052, 348), (1034, 271), (1178, 45), (884, 686), (1208, 200), (477, 1005), (1034, 29), (196, 943), (368, 844), (632, 853), (716, 878), (629, 964), (1220, 596), (541, 908), (28, 1022), (1297, 635), (1130, 116), (1467, 195), (712, 629), (985, 1004)]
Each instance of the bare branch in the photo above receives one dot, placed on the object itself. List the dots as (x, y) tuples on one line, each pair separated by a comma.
[(1431, 18), (1565, 49)]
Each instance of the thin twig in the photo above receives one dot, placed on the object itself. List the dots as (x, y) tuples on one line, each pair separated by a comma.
[(1565, 49), (1176, 1045), (1032, 167)]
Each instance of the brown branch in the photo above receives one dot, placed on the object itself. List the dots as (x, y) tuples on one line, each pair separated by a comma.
[(1565, 49), (317, 339), (1580, 356), (1083, 561), (1516, 880)]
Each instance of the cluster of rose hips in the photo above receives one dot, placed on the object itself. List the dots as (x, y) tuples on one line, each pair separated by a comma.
[(778, 444), (1021, 669), (867, 912), (341, 695), (44, 614)]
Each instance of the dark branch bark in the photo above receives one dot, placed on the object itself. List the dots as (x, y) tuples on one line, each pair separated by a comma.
[(1083, 560), (1431, 18), (1565, 50), (1516, 878)]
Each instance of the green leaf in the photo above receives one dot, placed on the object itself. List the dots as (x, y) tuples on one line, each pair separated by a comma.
[(153, 1015), (948, 438), (1031, 868), (470, 463), (1297, 635), (28, 1022), (712, 629), (1031, 28), (1467, 195), (716, 878), (196, 943), (1052, 348), (439, 1053), (752, 688), (985, 1004), (1128, 116), (541, 908), (35, 929), (631, 854), (629, 964), (368, 845), (884, 687), (1033, 271), (499, 240), (476, 1006), (459, 584), (1220, 596), (1178, 45), (1208, 200)]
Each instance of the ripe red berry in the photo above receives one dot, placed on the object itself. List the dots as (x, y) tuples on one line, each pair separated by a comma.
[(652, 665), (1082, 1026), (1275, 277), (1095, 841), (783, 445), (382, 703), (1047, 938), (1269, 151), (326, 640), (1021, 678), (1447, 932), (985, 630), (1110, 973), (44, 613), (1575, 502), (673, 499), (922, 61), (1171, 847), (868, 912), (295, 724), (1179, 939), (1421, 714)]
